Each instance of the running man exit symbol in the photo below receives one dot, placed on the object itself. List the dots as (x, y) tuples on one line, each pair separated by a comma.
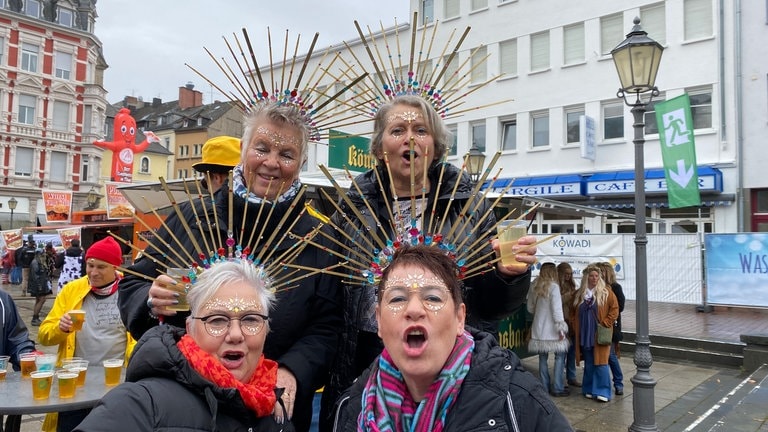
[(678, 151)]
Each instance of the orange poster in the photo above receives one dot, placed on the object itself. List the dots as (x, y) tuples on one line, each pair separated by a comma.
[(58, 205), (67, 235), (117, 205), (13, 238)]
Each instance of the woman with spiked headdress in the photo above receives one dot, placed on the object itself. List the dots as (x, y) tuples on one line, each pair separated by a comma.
[(261, 214), (433, 374), (413, 195)]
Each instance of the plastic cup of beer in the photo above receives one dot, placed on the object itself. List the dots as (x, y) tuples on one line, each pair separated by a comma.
[(78, 366), (112, 370), (41, 384), (4, 366), (27, 362), (67, 383), (510, 231), (180, 287), (78, 318), (45, 362)]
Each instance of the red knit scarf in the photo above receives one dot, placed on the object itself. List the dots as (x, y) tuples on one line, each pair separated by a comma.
[(258, 394)]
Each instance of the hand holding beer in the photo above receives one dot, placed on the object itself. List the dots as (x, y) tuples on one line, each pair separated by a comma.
[(77, 317)]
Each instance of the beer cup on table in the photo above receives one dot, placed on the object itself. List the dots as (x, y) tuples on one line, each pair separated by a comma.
[(45, 362), (509, 232), (4, 366), (41, 384), (27, 363), (112, 370), (78, 366), (67, 383)]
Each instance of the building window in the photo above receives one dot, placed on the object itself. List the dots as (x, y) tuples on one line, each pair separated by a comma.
[(63, 65), (84, 168), (23, 164), (29, 55), (197, 149), (199, 121), (27, 105), (611, 33), (573, 124), (613, 121), (509, 135), (478, 135), (653, 20), (454, 150), (573, 44), (540, 51), (540, 127), (87, 121), (60, 116), (183, 151), (698, 19), (651, 126), (508, 57), (65, 17), (479, 65), (701, 109), (479, 4), (58, 166), (167, 142), (427, 11), (451, 8), (144, 166), (450, 77), (32, 8), (2, 49)]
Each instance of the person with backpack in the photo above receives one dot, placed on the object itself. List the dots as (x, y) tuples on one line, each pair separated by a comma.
[(24, 256), (38, 283)]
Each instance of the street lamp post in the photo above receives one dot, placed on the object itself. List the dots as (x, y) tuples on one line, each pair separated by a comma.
[(12, 203), (92, 198), (475, 163), (637, 62)]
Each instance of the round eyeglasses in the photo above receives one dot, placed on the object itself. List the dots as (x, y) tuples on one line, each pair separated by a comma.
[(250, 324)]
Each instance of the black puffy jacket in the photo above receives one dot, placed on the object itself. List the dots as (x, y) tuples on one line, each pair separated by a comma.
[(163, 392), (307, 320), (497, 394)]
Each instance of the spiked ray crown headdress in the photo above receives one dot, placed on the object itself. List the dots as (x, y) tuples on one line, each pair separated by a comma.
[(390, 76)]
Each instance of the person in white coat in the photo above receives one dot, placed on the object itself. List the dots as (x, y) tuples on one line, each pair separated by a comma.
[(549, 332)]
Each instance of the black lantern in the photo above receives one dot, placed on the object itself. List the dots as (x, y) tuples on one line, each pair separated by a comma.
[(475, 162), (12, 203), (92, 198)]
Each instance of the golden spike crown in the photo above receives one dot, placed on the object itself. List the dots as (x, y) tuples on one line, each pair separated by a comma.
[(389, 76), (286, 81)]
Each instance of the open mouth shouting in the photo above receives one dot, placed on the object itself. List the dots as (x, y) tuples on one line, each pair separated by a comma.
[(415, 341), (232, 359)]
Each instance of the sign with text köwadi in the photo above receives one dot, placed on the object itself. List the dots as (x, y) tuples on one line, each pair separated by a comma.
[(579, 250), (737, 269), (349, 151), (678, 151)]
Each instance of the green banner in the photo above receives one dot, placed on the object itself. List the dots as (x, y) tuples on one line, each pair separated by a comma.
[(678, 150), (512, 332), (349, 151)]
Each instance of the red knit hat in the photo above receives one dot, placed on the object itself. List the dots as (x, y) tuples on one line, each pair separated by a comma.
[(107, 250)]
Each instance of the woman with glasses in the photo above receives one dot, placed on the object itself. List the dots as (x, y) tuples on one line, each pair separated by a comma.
[(210, 376), (436, 374)]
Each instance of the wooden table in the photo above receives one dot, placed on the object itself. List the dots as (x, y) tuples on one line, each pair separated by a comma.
[(16, 396)]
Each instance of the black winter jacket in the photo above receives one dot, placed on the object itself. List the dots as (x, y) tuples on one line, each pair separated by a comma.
[(163, 392), (489, 297), (497, 394), (307, 320), (14, 337)]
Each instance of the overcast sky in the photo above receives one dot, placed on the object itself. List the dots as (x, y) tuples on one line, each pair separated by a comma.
[(147, 42)]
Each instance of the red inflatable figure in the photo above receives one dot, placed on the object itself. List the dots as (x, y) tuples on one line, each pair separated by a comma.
[(124, 145)]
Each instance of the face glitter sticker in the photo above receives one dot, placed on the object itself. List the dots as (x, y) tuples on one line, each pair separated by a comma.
[(235, 305), (432, 292), (407, 116)]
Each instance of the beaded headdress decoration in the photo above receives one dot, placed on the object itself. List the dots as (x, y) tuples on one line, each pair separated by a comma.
[(286, 81), (390, 77)]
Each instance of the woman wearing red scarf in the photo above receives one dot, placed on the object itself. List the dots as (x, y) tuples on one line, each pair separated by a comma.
[(435, 374), (211, 376)]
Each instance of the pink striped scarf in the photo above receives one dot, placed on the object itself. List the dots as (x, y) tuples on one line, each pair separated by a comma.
[(388, 406)]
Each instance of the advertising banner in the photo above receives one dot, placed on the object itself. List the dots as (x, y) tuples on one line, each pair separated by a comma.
[(67, 235), (58, 205), (581, 250), (118, 207), (737, 269), (13, 238)]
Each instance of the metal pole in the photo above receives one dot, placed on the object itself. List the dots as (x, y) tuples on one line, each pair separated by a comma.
[(11, 218), (643, 382)]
